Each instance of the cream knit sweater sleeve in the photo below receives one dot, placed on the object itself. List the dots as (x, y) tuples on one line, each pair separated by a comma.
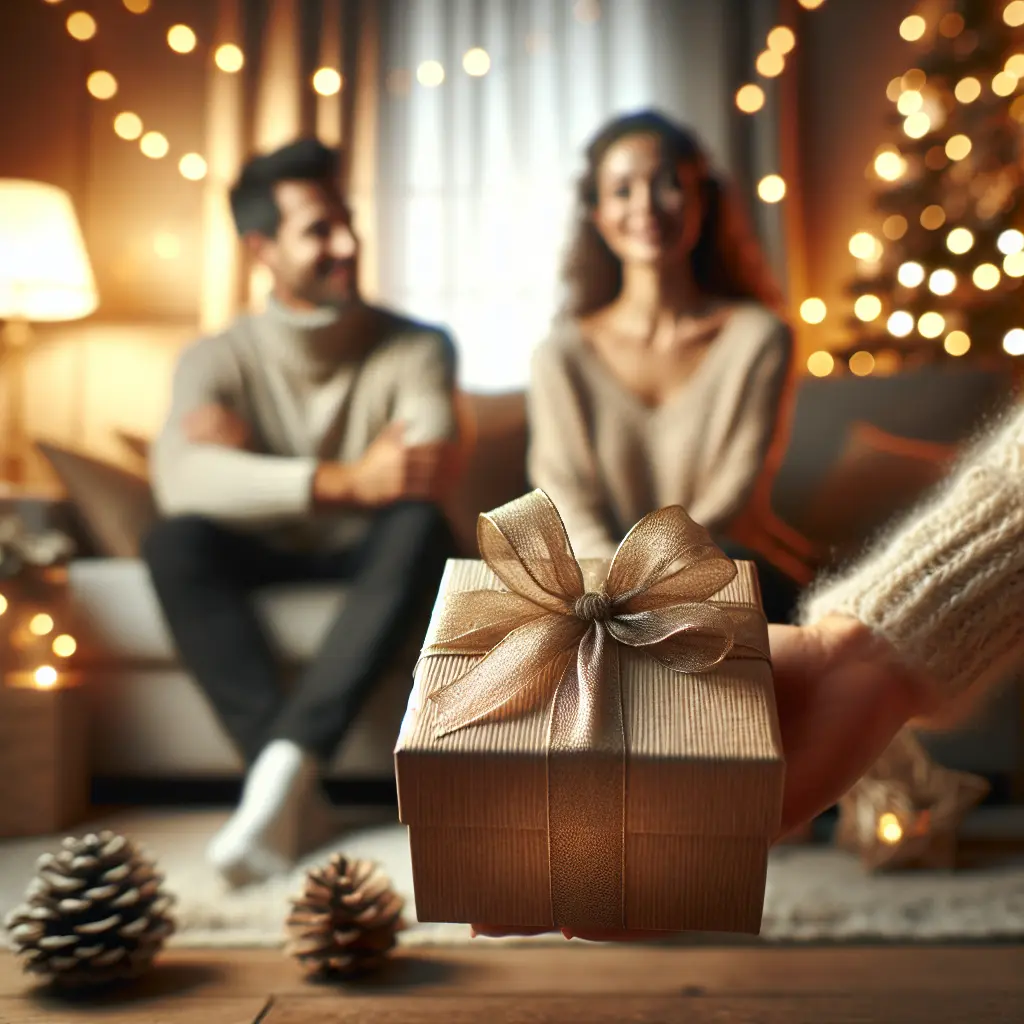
[(946, 588)]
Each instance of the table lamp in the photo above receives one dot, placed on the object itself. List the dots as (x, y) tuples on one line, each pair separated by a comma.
[(45, 276)]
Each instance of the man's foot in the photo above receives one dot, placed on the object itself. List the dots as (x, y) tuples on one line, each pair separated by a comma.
[(263, 837)]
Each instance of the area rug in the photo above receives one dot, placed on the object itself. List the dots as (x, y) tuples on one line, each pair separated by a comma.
[(814, 893)]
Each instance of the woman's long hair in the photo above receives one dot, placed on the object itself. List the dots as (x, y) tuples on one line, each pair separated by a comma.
[(727, 260)]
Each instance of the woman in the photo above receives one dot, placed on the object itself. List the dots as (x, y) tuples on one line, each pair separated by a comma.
[(665, 380)]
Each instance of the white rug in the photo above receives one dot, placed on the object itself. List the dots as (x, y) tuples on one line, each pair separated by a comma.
[(814, 894)]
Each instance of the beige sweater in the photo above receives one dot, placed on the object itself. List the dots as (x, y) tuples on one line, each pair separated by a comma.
[(946, 588), (606, 459), (288, 375)]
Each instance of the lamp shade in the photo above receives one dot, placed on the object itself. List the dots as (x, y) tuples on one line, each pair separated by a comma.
[(45, 273)]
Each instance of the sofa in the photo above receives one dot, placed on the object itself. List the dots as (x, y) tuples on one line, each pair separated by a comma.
[(858, 451)]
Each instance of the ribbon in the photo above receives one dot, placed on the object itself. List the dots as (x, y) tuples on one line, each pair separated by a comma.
[(548, 639)]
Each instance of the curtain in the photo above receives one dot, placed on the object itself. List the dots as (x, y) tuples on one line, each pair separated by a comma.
[(476, 172)]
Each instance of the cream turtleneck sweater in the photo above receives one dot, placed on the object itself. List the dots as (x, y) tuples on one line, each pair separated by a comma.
[(308, 397), (946, 587)]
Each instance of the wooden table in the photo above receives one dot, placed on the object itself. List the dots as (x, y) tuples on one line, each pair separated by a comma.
[(571, 984)]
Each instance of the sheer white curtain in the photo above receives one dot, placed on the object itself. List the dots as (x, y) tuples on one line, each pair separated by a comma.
[(476, 174)]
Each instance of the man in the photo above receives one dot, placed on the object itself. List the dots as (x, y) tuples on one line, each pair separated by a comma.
[(305, 443)]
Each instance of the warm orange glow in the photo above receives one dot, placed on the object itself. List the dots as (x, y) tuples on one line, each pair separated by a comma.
[(192, 166), (750, 98), (820, 364), (1013, 342), (933, 217), (958, 147), (1013, 265), (864, 246), (861, 364), (128, 125), (154, 145), (900, 323), (915, 78), (810, 5), (181, 39), (1005, 83), (476, 62), (942, 282), (166, 245), (327, 82), (1015, 65), (430, 74), (102, 85), (895, 227), (986, 277), (1017, 110), (957, 343), (771, 188), (1013, 13), (967, 89), (81, 26), (41, 624), (909, 102), (781, 40), (138, 6), (951, 25), (910, 274), (959, 241), (64, 645), (918, 125), (3, 604), (1010, 241), (931, 325), (770, 64), (868, 308), (229, 58), (890, 166)]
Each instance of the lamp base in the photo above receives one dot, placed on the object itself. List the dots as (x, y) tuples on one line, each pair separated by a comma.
[(14, 342)]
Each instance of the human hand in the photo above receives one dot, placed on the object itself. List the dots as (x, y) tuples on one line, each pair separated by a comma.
[(389, 471), (217, 425), (842, 695)]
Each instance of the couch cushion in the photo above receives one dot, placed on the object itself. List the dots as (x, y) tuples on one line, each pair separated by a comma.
[(119, 620)]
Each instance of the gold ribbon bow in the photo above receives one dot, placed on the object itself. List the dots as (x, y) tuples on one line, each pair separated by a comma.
[(548, 639)]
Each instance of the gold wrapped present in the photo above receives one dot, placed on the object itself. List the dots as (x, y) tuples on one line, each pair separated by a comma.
[(593, 745)]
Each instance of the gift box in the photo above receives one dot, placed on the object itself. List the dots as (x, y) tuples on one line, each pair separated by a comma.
[(592, 745)]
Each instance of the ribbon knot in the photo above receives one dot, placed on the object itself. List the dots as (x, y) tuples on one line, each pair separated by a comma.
[(593, 606)]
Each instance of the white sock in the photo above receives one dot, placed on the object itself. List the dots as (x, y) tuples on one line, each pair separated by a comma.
[(261, 838)]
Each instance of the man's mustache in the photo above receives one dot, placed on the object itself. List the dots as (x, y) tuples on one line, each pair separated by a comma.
[(328, 267)]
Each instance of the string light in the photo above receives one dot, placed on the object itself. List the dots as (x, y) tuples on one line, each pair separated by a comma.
[(887, 362), (192, 166), (894, 89), (933, 217), (986, 277), (1013, 265), (820, 364), (3, 604), (959, 241), (229, 58), (811, 5), (951, 25), (81, 26), (1004, 83), (181, 39), (861, 364), (1013, 342), (900, 323), (1013, 13), (957, 343), (430, 74), (895, 227), (958, 147), (935, 159), (64, 646), (41, 624), (913, 28), (137, 6), (771, 188), (45, 676), (154, 145), (781, 40), (102, 85), (770, 64), (909, 102), (864, 246), (868, 308), (915, 78), (750, 98), (1017, 110), (942, 282), (128, 125), (931, 325), (967, 89), (910, 274), (918, 125), (1015, 65), (327, 82), (813, 311), (889, 829), (476, 62), (890, 166)]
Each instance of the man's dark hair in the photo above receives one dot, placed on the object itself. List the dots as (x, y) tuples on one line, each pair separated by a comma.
[(253, 205)]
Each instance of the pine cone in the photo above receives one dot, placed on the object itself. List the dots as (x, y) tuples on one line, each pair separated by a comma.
[(93, 914), (345, 920)]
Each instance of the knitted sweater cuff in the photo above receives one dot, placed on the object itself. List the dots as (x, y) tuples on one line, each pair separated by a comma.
[(946, 587)]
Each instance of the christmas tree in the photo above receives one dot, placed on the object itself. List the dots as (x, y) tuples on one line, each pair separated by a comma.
[(942, 275)]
